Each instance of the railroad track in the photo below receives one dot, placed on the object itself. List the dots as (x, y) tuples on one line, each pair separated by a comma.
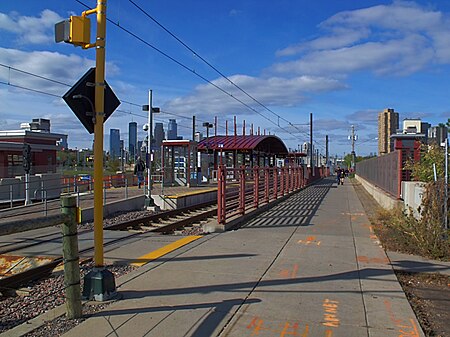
[(163, 222)]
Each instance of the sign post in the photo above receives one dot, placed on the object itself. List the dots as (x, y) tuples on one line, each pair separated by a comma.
[(99, 284)]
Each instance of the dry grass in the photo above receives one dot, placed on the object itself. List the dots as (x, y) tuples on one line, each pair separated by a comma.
[(401, 231)]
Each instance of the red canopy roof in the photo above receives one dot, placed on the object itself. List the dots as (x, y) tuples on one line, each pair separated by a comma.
[(266, 144)]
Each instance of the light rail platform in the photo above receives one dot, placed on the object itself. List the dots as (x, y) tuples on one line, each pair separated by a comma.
[(310, 266)]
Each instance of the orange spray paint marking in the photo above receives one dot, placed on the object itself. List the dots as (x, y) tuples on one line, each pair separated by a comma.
[(310, 240), (328, 333), (257, 325), (330, 313), (293, 330), (365, 259), (290, 273), (405, 329)]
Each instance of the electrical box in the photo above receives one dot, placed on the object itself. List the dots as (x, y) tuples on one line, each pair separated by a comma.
[(76, 30)]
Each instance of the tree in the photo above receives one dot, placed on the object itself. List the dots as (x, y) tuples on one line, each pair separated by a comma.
[(113, 165), (423, 170)]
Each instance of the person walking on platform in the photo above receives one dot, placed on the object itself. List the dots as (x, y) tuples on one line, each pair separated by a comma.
[(139, 169), (338, 175)]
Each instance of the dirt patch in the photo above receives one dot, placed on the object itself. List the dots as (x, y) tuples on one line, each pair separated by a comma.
[(428, 294)]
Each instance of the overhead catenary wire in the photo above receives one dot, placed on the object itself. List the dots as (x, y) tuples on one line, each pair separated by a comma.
[(194, 72), (69, 85), (209, 64)]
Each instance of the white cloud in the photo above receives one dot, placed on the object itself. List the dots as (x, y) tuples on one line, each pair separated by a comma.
[(56, 66), (397, 39), (369, 116), (31, 30), (273, 91)]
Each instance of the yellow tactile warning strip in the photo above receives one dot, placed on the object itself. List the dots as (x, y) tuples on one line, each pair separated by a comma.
[(181, 195), (164, 250)]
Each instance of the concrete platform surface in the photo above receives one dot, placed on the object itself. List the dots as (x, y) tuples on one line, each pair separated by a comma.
[(310, 266)]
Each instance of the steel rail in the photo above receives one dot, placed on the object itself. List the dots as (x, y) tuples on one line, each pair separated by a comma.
[(45, 269)]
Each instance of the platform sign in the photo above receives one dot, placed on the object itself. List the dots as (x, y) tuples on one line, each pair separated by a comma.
[(81, 99)]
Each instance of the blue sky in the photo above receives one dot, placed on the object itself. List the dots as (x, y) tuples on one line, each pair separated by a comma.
[(343, 61)]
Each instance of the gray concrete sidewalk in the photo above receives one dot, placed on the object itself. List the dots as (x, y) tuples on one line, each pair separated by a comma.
[(311, 266)]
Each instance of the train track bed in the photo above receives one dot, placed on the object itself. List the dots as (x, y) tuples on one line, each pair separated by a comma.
[(37, 297)]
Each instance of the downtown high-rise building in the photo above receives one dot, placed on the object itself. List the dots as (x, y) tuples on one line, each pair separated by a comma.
[(388, 123), (172, 129), (132, 140), (158, 136), (114, 143)]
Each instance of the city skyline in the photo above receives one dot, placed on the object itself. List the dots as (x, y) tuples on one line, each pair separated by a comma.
[(342, 61)]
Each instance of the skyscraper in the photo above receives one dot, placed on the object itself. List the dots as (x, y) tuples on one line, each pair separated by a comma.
[(388, 123), (172, 129), (132, 139), (158, 136), (114, 143)]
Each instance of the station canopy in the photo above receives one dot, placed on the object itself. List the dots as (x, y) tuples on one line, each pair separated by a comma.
[(266, 144)]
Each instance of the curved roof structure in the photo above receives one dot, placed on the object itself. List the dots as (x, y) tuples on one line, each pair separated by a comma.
[(266, 144)]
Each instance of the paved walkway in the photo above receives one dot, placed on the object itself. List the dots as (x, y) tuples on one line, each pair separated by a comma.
[(311, 266)]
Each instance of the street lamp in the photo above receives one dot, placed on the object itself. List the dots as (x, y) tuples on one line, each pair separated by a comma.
[(208, 125), (151, 110)]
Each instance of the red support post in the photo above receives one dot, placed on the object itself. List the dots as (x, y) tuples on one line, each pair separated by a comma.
[(275, 183), (256, 186), (242, 190), (282, 181), (291, 178), (266, 184), (295, 178), (221, 191), (286, 179)]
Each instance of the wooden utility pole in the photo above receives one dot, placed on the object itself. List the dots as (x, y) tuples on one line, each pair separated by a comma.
[(71, 258)]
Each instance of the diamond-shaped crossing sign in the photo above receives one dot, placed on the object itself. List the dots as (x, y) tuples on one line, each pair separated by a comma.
[(81, 99)]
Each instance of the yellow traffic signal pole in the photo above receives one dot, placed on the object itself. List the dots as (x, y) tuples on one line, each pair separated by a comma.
[(98, 131), (99, 284)]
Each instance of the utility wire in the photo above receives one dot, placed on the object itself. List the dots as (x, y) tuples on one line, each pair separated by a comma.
[(208, 63), (34, 75), (193, 71), (30, 89), (68, 85)]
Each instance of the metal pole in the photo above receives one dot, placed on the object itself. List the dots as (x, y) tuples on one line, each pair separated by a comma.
[(311, 143), (98, 131), (326, 151), (27, 189), (193, 128), (11, 195), (446, 186), (149, 145)]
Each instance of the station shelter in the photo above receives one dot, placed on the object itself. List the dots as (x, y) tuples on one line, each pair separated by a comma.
[(295, 158), (179, 163), (234, 151), (43, 152)]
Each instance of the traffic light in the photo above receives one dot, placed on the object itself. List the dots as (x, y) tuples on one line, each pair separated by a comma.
[(76, 30), (26, 157)]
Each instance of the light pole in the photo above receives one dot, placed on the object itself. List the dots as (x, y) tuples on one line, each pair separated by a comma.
[(149, 126), (207, 125)]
